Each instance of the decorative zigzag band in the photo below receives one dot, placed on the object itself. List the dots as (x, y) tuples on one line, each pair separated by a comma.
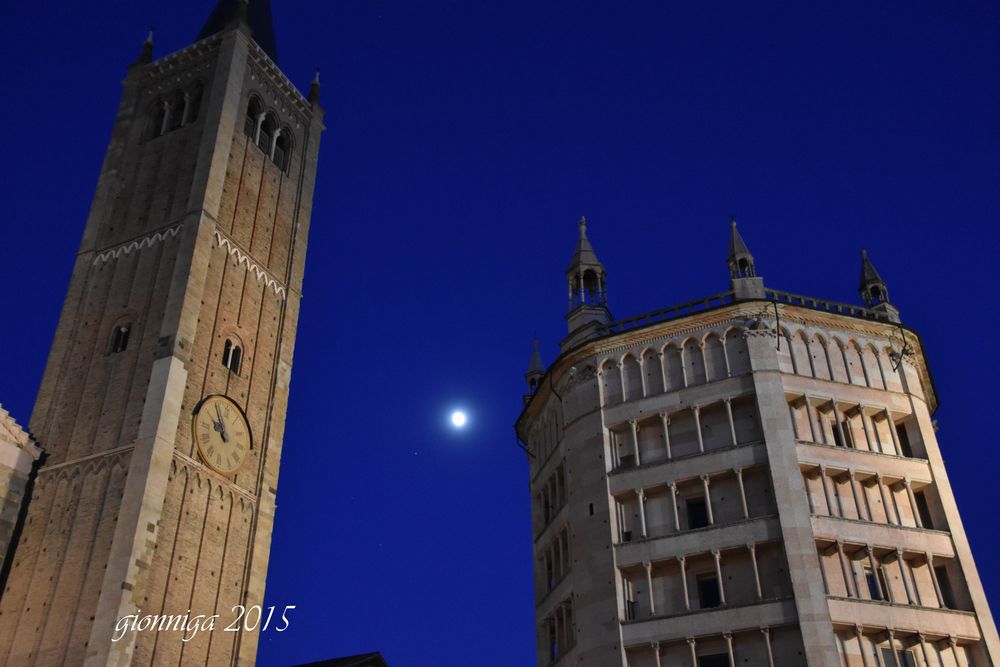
[(258, 271), (146, 242)]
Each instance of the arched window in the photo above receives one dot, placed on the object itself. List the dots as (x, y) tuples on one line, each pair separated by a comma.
[(283, 149), (254, 109), (232, 356), (119, 338)]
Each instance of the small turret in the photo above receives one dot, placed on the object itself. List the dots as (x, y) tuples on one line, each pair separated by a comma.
[(536, 371), (314, 90), (146, 55), (742, 273), (587, 282), (874, 291)]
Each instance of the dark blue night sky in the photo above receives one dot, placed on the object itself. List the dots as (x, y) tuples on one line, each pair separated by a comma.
[(463, 141)]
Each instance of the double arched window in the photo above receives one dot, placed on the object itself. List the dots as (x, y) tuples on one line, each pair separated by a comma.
[(119, 337), (178, 109), (232, 355), (262, 130)]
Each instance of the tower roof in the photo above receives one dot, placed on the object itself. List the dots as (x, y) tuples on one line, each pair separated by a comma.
[(255, 14), (584, 254), (736, 245), (536, 367), (868, 273)]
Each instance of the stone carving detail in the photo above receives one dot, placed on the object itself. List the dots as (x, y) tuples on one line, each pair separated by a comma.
[(126, 248), (259, 272)]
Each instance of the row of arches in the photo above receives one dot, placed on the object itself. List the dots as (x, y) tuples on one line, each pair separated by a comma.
[(175, 110), (830, 358), (261, 128), (674, 366)]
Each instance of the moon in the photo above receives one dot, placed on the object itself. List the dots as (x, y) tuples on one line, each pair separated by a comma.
[(458, 419)]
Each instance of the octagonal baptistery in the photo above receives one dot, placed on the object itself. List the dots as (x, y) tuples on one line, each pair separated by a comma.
[(753, 478)]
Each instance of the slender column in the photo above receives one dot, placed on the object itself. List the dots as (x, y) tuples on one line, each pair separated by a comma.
[(728, 636), (864, 425), (665, 423), (885, 505), (847, 366), (187, 108), (732, 424), (684, 581), (743, 493), (641, 495), (656, 653), (854, 492), (635, 440), (865, 658), (718, 573), (673, 499), (875, 571), (621, 369), (684, 370), (663, 370), (838, 418), (913, 502), (901, 563), (953, 642), (826, 491), (694, 652), (795, 422), (708, 500), (934, 579), (274, 143), (887, 591), (845, 569), (923, 647), (704, 361), (892, 432), (166, 118), (767, 642), (649, 585), (892, 646), (642, 376), (752, 548), (697, 426), (811, 418)]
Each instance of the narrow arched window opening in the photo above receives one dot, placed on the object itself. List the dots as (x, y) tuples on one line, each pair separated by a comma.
[(119, 338), (265, 137), (232, 356), (282, 150), (254, 111), (158, 120)]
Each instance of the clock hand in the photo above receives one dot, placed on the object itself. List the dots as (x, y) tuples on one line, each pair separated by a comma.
[(221, 426)]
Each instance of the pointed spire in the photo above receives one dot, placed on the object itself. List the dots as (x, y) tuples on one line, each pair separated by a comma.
[(536, 369), (253, 16), (314, 89), (873, 289), (146, 55), (740, 260), (584, 254)]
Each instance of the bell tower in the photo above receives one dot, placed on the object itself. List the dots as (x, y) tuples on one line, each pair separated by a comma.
[(162, 407)]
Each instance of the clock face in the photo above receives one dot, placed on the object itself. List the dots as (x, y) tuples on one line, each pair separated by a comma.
[(221, 433)]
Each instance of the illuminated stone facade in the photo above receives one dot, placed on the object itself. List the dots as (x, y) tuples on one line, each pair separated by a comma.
[(187, 283), (752, 478)]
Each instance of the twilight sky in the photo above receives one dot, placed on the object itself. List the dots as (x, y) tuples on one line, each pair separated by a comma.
[(463, 141)]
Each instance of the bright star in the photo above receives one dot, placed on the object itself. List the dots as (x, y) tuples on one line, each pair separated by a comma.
[(458, 419)]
